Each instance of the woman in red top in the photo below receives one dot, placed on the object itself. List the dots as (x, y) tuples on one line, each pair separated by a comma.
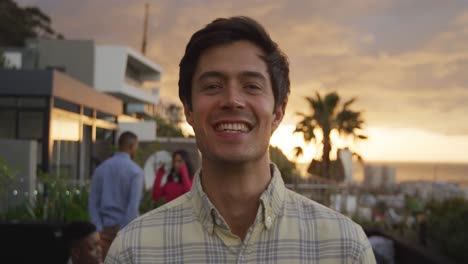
[(179, 180)]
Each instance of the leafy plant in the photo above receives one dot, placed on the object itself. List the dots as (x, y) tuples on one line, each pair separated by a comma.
[(447, 229), (56, 201), (17, 24), (7, 177), (147, 204)]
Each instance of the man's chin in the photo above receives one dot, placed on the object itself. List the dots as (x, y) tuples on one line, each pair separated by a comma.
[(237, 159)]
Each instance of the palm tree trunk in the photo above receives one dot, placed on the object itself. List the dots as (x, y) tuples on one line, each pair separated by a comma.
[(326, 156)]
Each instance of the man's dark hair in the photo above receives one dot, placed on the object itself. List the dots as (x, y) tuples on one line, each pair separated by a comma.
[(74, 232), (127, 139), (228, 30)]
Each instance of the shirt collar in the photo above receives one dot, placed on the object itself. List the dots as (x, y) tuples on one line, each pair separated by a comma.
[(122, 154), (271, 202)]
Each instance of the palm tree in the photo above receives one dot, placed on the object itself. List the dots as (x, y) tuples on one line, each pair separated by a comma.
[(326, 117), (298, 152)]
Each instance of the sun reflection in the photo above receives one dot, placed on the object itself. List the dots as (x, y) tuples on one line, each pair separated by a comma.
[(287, 141), (66, 130)]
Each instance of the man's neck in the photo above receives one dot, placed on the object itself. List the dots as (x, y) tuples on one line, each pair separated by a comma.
[(235, 190)]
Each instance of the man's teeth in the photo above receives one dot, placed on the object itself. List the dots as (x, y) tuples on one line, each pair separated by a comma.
[(233, 127)]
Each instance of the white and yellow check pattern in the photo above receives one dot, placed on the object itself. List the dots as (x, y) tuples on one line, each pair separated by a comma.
[(289, 228)]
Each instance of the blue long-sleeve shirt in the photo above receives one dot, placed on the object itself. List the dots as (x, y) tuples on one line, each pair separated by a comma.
[(116, 190)]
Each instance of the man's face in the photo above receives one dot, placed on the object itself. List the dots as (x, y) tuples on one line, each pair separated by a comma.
[(233, 113), (178, 161), (89, 250)]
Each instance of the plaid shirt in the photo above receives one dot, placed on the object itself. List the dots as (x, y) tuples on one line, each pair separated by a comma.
[(289, 228)]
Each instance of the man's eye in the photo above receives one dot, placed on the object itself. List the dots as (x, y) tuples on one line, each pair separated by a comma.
[(213, 86), (253, 87)]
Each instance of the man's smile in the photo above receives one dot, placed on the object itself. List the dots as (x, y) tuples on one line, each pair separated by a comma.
[(232, 127)]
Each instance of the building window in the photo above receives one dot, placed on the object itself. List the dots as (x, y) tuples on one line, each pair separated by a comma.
[(8, 101), (30, 125), (107, 117), (8, 124), (103, 146), (65, 133), (32, 102), (65, 159), (88, 112), (65, 105)]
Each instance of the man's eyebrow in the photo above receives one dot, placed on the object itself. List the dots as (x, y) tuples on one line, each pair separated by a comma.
[(217, 74), (211, 74), (253, 74)]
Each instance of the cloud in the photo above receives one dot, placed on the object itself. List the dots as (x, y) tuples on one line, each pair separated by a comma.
[(405, 61)]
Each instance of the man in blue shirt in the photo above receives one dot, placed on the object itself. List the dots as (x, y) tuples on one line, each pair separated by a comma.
[(116, 190)]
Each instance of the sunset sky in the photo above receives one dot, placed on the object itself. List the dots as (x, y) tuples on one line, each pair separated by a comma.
[(405, 61)]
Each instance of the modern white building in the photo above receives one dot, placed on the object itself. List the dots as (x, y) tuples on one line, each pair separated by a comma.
[(116, 70), (123, 72)]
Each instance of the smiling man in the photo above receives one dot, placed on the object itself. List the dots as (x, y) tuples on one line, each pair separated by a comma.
[(234, 85)]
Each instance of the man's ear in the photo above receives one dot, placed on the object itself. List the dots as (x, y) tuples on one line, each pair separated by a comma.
[(278, 115), (188, 114)]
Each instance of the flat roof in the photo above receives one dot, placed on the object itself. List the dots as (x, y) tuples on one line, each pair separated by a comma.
[(56, 84)]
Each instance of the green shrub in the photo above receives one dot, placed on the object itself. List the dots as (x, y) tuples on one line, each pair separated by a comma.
[(447, 228), (147, 204), (58, 201)]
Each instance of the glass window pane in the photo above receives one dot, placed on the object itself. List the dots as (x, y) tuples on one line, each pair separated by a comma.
[(30, 124), (103, 146), (65, 134), (65, 129), (107, 117), (32, 102), (8, 101), (65, 159), (88, 112), (8, 124), (65, 105)]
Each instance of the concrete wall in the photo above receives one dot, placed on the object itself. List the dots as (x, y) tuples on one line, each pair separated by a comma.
[(75, 56), (109, 69), (21, 157), (145, 130), (111, 63)]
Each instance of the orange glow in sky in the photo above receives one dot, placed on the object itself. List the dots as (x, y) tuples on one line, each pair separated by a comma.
[(384, 144), (405, 61)]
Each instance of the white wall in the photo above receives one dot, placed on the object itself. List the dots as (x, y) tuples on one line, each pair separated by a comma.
[(109, 68), (146, 131)]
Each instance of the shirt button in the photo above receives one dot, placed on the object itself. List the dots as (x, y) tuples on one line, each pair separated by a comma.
[(268, 220), (218, 222)]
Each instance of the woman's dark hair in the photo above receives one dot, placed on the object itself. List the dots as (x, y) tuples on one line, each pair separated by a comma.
[(228, 30), (185, 156)]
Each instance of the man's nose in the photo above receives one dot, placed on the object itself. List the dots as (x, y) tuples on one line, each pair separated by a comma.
[(233, 96)]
